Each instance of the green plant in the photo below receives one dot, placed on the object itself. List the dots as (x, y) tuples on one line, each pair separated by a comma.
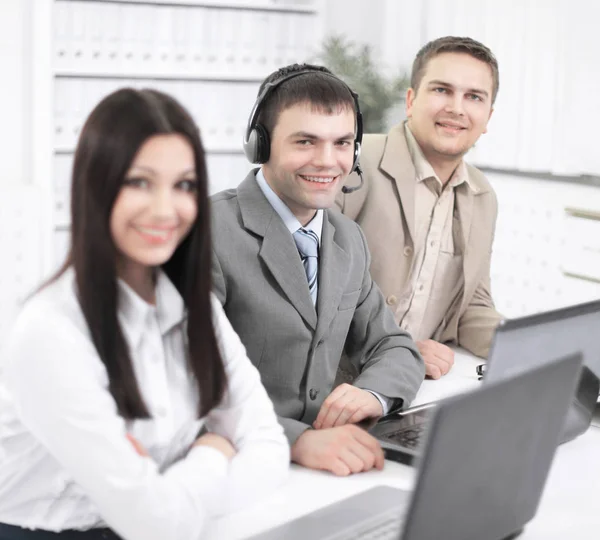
[(356, 67)]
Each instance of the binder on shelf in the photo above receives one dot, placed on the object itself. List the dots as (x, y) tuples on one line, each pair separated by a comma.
[(198, 40), (160, 34), (61, 112), (182, 47), (62, 39), (130, 27), (74, 96), (111, 21), (77, 35), (213, 43), (63, 165)]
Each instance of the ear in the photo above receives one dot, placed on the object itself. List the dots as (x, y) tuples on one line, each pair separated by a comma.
[(410, 98), (489, 117)]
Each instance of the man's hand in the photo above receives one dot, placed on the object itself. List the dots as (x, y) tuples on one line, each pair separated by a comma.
[(439, 358), (347, 404), (341, 450), (219, 443)]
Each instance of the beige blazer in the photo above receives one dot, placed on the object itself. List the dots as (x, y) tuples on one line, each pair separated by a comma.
[(259, 278), (385, 208)]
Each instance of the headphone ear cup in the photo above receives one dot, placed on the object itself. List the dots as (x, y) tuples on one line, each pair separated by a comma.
[(263, 144), (250, 146)]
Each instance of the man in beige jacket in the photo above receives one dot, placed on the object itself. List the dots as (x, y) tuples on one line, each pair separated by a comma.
[(429, 217)]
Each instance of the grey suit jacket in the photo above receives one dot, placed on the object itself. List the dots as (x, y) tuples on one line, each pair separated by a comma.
[(259, 278)]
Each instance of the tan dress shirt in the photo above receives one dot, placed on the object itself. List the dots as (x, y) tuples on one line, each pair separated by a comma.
[(436, 275)]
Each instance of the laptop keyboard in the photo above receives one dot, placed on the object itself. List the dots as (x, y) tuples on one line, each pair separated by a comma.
[(388, 529), (408, 437)]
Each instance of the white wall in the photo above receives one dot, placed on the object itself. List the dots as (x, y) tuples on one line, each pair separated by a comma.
[(15, 92), (538, 244), (22, 213)]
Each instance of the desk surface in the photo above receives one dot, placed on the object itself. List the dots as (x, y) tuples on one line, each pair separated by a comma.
[(569, 508)]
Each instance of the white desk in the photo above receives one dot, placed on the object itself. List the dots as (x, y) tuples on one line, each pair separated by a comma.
[(569, 510)]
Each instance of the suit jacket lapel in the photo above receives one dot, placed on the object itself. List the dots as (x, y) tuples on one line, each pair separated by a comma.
[(397, 163), (278, 250), (333, 262)]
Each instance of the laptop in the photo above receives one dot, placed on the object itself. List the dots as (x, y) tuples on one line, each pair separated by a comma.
[(481, 475), (519, 345)]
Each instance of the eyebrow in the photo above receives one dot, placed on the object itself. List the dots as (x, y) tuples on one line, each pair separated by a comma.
[(437, 82), (313, 137), (150, 170)]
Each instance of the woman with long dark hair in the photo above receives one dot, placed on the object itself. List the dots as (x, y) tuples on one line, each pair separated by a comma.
[(114, 366)]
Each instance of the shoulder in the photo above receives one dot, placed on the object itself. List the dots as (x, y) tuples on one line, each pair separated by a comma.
[(50, 333), (224, 197), (348, 233), (224, 201), (375, 145), (224, 210), (55, 304), (482, 184)]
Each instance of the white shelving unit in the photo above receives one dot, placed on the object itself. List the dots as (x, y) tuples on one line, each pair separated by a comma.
[(210, 55)]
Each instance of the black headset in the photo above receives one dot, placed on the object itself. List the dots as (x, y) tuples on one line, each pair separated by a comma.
[(257, 143)]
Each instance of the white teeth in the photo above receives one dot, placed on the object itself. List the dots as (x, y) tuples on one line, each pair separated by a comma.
[(157, 233), (320, 179)]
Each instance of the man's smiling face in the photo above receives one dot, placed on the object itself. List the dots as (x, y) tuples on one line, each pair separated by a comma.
[(451, 108), (311, 156)]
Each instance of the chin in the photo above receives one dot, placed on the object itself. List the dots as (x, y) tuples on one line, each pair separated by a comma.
[(452, 152), (322, 203), (153, 259)]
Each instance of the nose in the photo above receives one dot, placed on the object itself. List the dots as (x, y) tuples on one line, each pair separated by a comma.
[(325, 156), (455, 104), (162, 204)]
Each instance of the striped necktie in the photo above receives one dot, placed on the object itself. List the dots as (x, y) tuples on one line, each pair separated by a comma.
[(307, 243)]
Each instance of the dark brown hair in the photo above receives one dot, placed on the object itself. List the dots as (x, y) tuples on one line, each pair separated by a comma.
[(453, 44), (111, 137), (318, 88)]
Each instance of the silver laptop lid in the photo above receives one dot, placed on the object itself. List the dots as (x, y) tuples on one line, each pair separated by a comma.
[(488, 455), (527, 342)]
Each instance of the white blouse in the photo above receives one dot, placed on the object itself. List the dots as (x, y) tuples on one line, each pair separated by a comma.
[(65, 461)]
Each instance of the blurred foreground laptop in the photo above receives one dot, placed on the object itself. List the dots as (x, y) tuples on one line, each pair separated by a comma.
[(482, 473), (519, 345)]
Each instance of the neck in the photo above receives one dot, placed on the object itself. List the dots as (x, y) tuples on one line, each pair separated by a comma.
[(444, 169), (142, 279), (306, 219)]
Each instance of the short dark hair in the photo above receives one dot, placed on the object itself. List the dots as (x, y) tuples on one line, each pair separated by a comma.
[(324, 92), (111, 137), (453, 44)]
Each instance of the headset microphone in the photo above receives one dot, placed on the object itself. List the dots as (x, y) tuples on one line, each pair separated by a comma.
[(347, 189)]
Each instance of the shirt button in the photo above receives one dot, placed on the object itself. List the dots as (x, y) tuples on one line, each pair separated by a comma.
[(408, 251), (432, 243), (313, 393), (391, 300), (421, 287)]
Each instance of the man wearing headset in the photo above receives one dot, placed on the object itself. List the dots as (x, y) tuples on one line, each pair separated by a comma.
[(428, 216), (293, 274)]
